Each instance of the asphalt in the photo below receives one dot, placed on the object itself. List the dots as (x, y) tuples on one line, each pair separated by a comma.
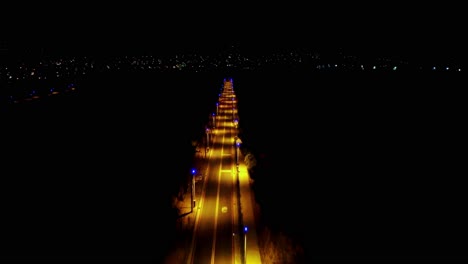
[(188, 216)]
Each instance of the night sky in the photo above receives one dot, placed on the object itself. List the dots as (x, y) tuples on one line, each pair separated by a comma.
[(395, 29), (426, 31)]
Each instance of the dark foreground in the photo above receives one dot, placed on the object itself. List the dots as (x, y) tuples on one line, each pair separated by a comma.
[(364, 167)]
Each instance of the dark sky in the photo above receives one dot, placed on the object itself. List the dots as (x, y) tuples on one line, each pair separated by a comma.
[(392, 27)]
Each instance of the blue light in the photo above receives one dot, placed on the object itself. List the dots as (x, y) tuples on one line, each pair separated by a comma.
[(193, 171), (245, 229)]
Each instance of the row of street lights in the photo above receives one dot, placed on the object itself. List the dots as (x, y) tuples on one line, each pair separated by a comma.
[(207, 148), (237, 142)]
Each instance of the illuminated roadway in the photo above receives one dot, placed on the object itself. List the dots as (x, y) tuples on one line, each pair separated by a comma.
[(217, 235)]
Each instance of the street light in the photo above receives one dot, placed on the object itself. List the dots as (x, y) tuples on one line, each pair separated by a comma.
[(213, 115), (193, 190), (207, 137), (245, 243), (238, 143), (233, 116)]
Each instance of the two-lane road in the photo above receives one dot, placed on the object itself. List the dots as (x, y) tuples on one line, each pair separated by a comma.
[(215, 238)]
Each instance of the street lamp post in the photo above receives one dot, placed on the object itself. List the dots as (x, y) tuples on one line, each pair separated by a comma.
[(193, 190), (207, 131), (233, 116), (237, 153), (238, 143), (213, 115), (245, 244)]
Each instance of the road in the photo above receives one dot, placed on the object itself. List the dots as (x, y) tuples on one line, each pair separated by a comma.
[(218, 235)]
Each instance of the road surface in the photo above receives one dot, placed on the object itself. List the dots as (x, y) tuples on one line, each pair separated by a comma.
[(220, 230)]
